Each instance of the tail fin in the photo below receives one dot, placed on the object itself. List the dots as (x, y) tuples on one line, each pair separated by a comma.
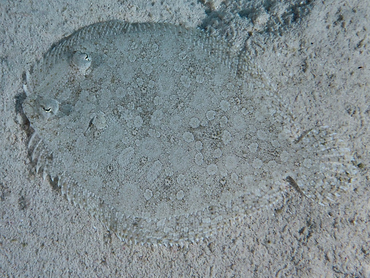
[(323, 166)]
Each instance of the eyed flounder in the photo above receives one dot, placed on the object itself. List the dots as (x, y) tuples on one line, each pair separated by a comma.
[(164, 134)]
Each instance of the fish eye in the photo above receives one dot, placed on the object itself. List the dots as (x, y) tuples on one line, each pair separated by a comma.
[(46, 109), (81, 61)]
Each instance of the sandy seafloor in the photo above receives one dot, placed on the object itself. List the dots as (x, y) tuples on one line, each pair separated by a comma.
[(317, 55)]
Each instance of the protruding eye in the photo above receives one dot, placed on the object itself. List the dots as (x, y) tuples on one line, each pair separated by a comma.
[(81, 61), (46, 109), (48, 106)]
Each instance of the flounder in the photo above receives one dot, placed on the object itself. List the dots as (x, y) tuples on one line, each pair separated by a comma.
[(165, 134)]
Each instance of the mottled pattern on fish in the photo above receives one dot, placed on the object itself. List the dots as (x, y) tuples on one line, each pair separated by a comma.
[(164, 134)]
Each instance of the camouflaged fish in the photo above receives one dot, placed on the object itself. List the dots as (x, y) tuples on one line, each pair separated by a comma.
[(165, 134)]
